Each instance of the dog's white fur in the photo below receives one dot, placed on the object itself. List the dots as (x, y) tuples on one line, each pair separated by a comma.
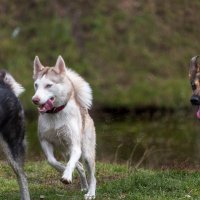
[(15, 86), (71, 130)]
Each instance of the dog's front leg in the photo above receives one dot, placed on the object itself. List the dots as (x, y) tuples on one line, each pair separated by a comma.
[(48, 151), (74, 158)]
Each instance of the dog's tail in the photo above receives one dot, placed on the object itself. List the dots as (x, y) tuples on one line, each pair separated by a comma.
[(83, 91), (12, 83)]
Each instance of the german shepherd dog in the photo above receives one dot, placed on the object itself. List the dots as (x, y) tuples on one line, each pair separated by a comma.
[(63, 99), (194, 76), (12, 131)]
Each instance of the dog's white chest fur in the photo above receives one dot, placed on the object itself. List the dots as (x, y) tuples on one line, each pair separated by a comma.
[(57, 128), (60, 137)]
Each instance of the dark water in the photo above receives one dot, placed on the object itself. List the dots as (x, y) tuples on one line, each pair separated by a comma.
[(161, 142)]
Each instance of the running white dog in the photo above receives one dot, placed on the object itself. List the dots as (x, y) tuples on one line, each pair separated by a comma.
[(63, 100)]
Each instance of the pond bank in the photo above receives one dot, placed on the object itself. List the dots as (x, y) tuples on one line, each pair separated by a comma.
[(165, 140)]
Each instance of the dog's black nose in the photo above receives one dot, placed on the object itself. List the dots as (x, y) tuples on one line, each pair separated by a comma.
[(195, 100)]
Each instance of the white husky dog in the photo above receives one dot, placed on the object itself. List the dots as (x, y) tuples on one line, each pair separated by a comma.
[(63, 100)]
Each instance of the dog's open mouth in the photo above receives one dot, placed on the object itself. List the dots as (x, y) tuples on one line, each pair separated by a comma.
[(198, 112), (47, 106)]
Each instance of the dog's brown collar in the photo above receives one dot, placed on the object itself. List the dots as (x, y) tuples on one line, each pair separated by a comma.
[(56, 109)]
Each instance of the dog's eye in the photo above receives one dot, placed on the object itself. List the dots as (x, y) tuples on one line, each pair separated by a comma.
[(48, 85), (193, 86), (36, 85)]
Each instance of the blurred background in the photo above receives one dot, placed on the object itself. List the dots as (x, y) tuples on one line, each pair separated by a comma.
[(134, 53)]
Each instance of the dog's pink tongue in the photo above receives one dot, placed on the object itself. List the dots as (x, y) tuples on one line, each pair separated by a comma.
[(198, 113), (47, 106)]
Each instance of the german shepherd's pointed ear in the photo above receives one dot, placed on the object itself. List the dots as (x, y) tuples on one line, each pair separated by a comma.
[(37, 67), (194, 67), (60, 65)]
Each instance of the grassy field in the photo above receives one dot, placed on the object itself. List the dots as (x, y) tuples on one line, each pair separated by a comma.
[(133, 53), (114, 182)]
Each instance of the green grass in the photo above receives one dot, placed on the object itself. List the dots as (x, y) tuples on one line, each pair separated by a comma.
[(113, 182)]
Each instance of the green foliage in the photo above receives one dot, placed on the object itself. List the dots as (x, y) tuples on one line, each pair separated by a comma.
[(133, 53)]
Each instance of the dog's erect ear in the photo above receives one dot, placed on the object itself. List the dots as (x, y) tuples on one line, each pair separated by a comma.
[(2, 74), (37, 66), (194, 67), (60, 65)]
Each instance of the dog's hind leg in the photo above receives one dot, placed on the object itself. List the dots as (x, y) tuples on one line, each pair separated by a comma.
[(17, 165), (90, 165), (22, 180), (88, 155), (48, 151), (81, 171)]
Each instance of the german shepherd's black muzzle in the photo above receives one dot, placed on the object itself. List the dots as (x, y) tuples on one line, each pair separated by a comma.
[(195, 100)]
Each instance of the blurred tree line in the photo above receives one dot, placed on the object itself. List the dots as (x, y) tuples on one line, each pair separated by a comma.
[(134, 53)]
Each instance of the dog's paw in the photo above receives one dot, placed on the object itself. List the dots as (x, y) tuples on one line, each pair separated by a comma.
[(89, 196), (65, 180)]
